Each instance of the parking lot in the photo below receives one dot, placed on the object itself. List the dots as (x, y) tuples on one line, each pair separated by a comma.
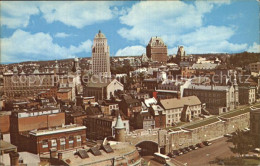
[(202, 156)]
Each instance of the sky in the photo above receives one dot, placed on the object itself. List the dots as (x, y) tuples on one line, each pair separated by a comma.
[(48, 30)]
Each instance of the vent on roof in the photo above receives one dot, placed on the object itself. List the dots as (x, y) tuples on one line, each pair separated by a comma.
[(107, 148), (83, 154), (95, 151)]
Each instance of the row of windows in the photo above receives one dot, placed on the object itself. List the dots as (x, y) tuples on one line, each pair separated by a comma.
[(53, 142)]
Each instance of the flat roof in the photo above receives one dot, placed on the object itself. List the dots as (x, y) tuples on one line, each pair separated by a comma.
[(119, 149), (56, 130), (6, 146)]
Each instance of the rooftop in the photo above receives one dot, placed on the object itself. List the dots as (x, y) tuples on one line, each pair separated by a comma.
[(119, 149), (178, 103), (62, 129), (209, 87)]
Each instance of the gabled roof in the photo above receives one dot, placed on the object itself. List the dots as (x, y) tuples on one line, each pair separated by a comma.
[(179, 103)]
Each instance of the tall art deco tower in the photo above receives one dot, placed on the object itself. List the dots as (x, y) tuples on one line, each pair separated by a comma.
[(100, 56)]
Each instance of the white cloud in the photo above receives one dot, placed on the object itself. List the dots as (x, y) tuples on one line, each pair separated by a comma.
[(77, 14), (165, 18), (61, 35), (177, 23), (131, 51), (254, 48), (17, 14), (38, 46)]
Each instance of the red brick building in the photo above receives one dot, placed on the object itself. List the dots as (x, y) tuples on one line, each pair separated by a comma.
[(23, 121), (61, 138), (156, 50)]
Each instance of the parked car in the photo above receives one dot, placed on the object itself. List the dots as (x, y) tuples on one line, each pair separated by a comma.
[(234, 133), (207, 143), (228, 135), (200, 145), (171, 155), (183, 151), (188, 149), (257, 150), (177, 152), (193, 147)]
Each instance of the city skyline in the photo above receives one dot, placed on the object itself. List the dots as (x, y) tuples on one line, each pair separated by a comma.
[(60, 30)]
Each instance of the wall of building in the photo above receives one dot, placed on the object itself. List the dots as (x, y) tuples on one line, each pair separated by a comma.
[(5, 124), (43, 121)]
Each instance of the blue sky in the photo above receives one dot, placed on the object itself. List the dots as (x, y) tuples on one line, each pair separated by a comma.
[(58, 30)]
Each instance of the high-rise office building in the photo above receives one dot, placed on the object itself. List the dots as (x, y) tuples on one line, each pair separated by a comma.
[(100, 56)]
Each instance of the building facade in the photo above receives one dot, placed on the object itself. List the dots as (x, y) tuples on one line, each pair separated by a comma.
[(22, 84), (218, 99), (156, 50), (99, 127), (183, 109), (100, 56), (102, 89), (62, 138), (24, 121)]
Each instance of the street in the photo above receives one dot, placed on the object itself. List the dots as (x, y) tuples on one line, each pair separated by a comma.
[(202, 156)]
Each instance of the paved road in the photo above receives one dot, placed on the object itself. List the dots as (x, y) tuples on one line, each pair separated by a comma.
[(202, 156)]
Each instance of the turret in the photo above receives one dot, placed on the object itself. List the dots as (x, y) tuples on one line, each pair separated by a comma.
[(119, 130)]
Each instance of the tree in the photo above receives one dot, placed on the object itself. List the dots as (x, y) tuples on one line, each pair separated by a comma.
[(242, 143)]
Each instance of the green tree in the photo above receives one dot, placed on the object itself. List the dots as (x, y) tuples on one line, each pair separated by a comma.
[(242, 143)]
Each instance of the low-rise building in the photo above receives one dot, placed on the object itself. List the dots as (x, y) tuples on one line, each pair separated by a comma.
[(254, 67), (24, 121), (218, 99), (64, 94), (61, 138), (159, 115), (184, 109), (99, 126), (129, 105), (102, 88)]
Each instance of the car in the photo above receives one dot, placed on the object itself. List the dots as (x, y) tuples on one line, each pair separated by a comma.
[(234, 133), (257, 150), (171, 155), (200, 145), (228, 135), (183, 151), (193, 147), (207, 143), (177, 152), (188, 149)]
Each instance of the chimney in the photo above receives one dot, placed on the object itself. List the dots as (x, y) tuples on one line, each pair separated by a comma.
[(14, 158), (53, 152), (60, 156)]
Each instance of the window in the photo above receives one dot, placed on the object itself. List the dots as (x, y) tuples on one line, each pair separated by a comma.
[(53, 142), (62, 143), (71, 141), (78, 138), (45, 143)]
